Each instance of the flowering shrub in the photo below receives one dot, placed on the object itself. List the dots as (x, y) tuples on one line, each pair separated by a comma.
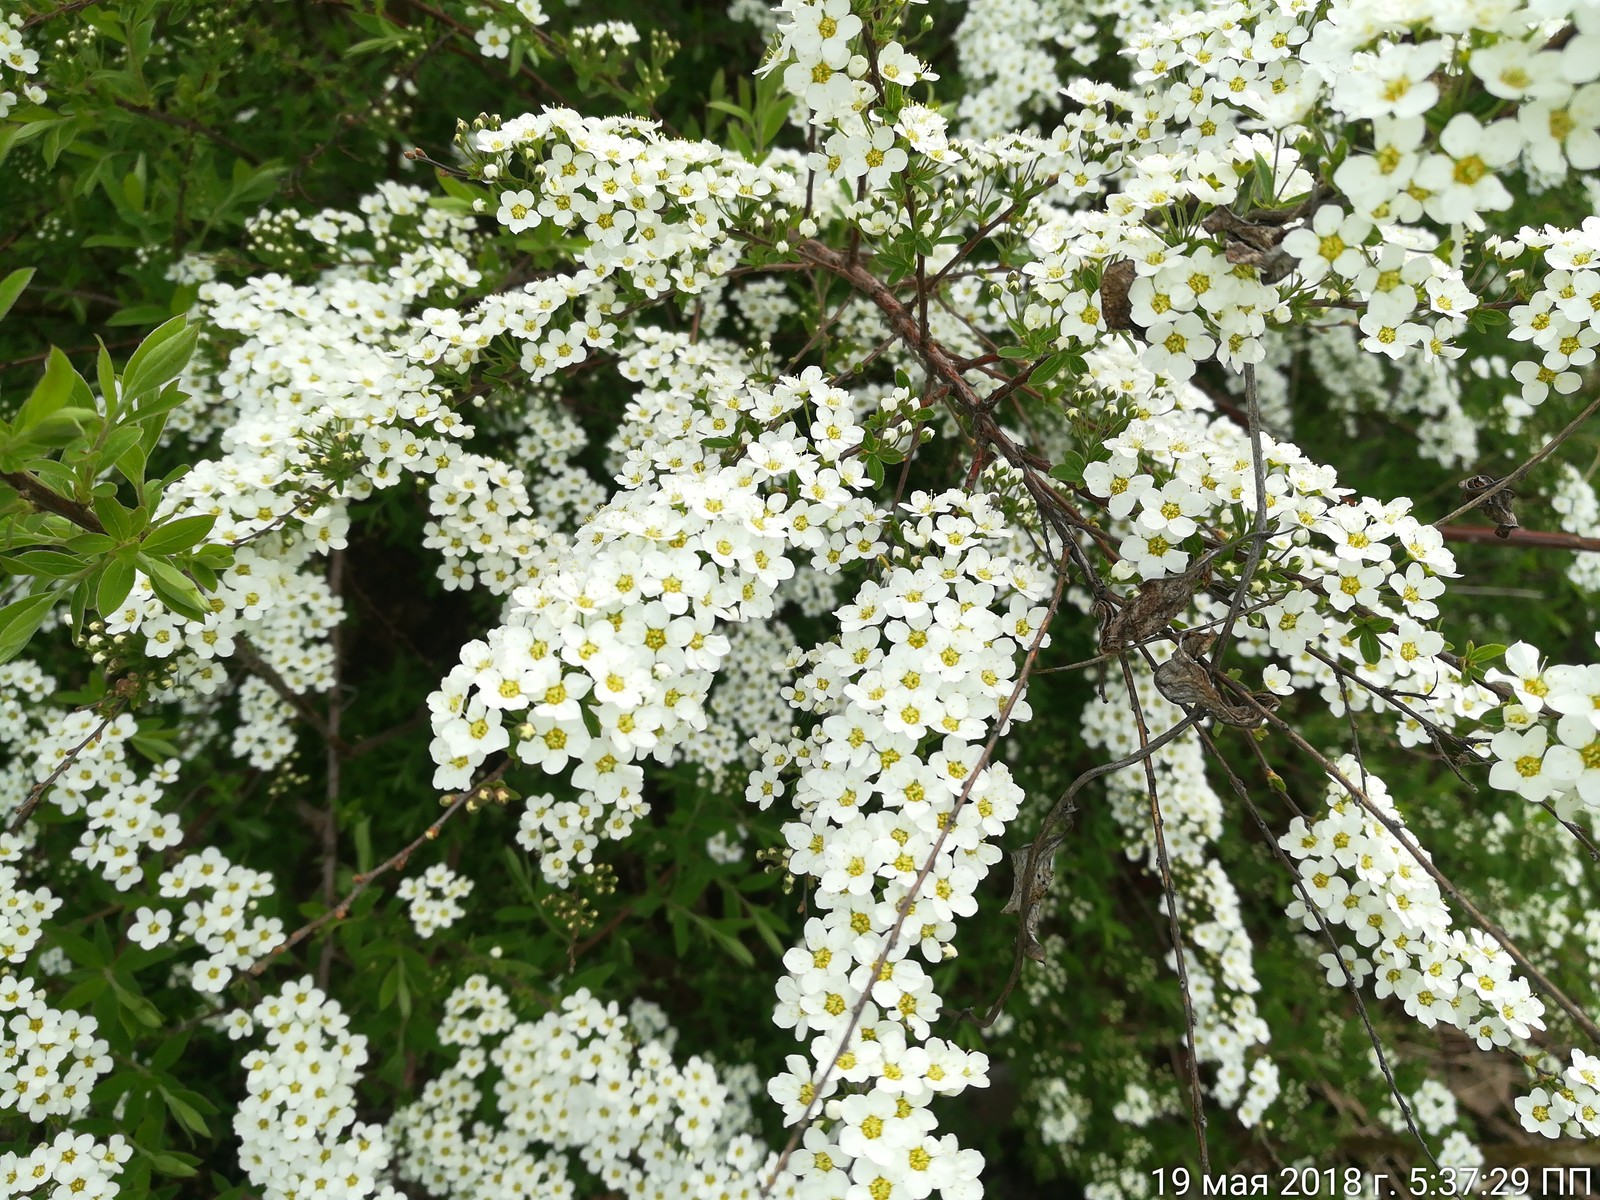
[(810, 500)]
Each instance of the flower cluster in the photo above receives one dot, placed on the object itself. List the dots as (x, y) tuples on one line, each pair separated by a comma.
[(17, 57), (70, 1164), (1562, 699), (433, 897), (582, 1081), (1561, 317), (626, 632), (50, 1059), (658, 214), (1359, 876), (1569, 1103), (895, 821), (297, 1127)]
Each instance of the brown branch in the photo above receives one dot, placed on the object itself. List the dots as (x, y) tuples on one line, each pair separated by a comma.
[(44, 354), (46, 499), (1536, 538), (64, 10)]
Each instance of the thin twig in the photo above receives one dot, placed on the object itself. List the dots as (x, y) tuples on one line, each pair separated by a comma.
[(1545, 452), (250, 658), (1305, 898), (37, 793), (1197, 1107), (1047, 839), (393, 862), (52, 14), (191, 125)]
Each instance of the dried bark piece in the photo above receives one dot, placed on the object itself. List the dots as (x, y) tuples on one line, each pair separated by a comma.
[(1149, 609), (1497, 507), (1028, 892), (1186, 681), (1115, 282)]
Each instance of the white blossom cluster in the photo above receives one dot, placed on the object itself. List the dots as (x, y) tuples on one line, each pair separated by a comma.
[(1357, 382), (501, 22), (1362, 879), (582, 1085), (1561, 317), (1568, 1103), (18, 63), (123, 825), (627, 629), (656, 213), (50, 1059), (433, 898), (895, 822), (1560, 699), (68, 1165), (740, 487), (297, 1125), (1577, 509)]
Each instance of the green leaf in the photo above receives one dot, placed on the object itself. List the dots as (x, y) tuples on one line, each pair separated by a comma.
[(390, 986), (1048, 369), (1070, 468), (160, 357), (116, 581), (173, 588), (155, 748), (12, 286), (1014, 352), (138, 314), (117, 521), (52, 392), (1371, 650), (175, 1165), (79, 949), (107, 372), (178, 535), (143, 1011), (20, 620), (133, 191), (188, 1116), (170, 1051), (52, 564), (733, 110)]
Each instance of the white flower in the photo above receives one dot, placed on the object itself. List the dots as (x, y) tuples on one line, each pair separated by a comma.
[(1331, 243), (518, 210), (151, 927), (1464, 181)]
